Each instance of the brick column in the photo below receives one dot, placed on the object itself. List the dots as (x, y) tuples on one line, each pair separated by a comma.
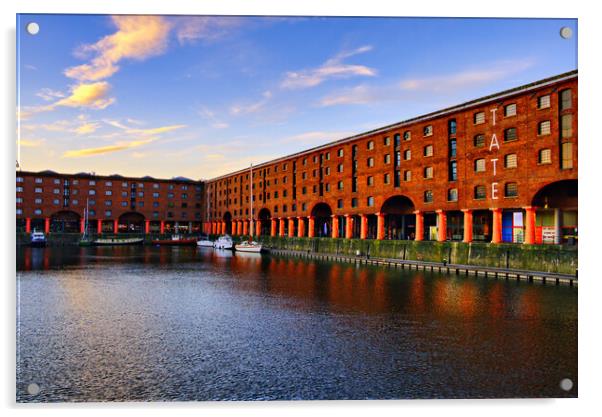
[(529, 225), (310, 226), (245, 227), (47, 225), (281, 231), (257, 227), (82, 225), (99, 226), (301, 228), (147, 226), (363, 226), (348, 226), (467, 225), (335, 227), (27, 225), (380, 226), (291, 227), (273, 227), (419, 225), (442, 226), (496, 235), (115, 226)]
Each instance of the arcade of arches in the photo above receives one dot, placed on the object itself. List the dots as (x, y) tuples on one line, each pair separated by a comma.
[(550, 219)]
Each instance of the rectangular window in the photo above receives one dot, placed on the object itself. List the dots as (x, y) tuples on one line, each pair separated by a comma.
[(510, 161), (565, 100), (567, 155), (480, 192), (387, 179), (38, 180), (370, 145), (452, 194), (428, 196), (452, 148), (370, 162), (354, 202), (407, 135), (453, 171), (407, 175), (479, 118), (428, 150), (479, 165), (510, 134), (108, 192), (511, 189), (340, 154), (510, 110), (387, 159), (37, 190), (428, 172), (370, 201), (545, 156), (340, 184), (386, 141), (19, 189), (407, 154), (369, 181), (566, 125), (543, 128), (428, 130), (543, 102), (479, 141)]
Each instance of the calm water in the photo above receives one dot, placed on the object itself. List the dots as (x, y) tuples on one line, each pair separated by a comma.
[(147, 323)]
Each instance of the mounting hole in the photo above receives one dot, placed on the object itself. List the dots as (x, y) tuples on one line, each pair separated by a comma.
[(32, 28), (33, 389), (566, 384), (566, 32)]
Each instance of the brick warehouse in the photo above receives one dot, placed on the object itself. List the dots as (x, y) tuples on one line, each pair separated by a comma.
[(55, 202), (502, 168)]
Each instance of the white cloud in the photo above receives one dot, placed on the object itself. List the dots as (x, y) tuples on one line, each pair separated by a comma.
[(332, 68), (253, 107), (204, 28), (48, 94)]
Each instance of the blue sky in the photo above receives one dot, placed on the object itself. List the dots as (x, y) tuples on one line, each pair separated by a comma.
[(203, 96)]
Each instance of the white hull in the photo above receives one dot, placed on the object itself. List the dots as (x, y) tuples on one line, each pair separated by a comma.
[(247, 248), (223, 242), (205, 243)]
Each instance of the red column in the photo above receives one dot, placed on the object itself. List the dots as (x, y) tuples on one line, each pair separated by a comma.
[(82, 225), (273, 228), (335, 227), (162, 227), (530, 225), (442, 227), (496, 234), (281, 231), (419, 225), (301, 228), (99, 225), (47, 225), (224, 228), (27, 225), (467, 225), (258, 228), (291, 227), (147, 226), (310, 226), (348, 226), (380, 226), (363, 226), (115, 226)]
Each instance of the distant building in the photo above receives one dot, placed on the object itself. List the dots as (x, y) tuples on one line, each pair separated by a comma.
[(502, 168)]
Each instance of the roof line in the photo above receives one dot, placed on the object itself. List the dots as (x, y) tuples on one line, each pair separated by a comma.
[(472, 103)]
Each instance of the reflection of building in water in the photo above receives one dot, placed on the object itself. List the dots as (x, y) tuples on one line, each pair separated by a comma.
[(502, 168)]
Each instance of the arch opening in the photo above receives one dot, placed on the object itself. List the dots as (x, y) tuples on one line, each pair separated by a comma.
[(556, 215), (65, 221), (322, 214), (400, 220), (131, 222)]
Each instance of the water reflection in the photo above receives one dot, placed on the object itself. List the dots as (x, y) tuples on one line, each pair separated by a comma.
[(167, 323)]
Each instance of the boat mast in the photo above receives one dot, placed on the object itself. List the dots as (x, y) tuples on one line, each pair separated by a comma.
[(86, 219), (252, 221)]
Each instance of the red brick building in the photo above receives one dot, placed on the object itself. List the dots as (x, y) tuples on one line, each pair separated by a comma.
[(53, 202), (501, 168)]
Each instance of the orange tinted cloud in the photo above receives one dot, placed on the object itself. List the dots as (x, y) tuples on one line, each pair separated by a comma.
[(92, 95)]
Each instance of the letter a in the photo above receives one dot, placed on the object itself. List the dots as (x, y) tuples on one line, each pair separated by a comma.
[(493, 143)]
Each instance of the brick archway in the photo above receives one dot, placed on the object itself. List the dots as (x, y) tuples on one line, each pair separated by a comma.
[(322, 214), (400, 220)]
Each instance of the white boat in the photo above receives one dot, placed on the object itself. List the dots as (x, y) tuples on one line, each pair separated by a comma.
[(38, 239), (223, 242), (206, 243), (253, 247)]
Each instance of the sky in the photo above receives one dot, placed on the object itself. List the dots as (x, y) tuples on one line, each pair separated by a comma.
[(201, 96)]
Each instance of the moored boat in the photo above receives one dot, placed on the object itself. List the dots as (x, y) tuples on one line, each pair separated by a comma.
[(223, 242), (250, 246), (115, 241), (176, 240), (205, 243), (38, 239)]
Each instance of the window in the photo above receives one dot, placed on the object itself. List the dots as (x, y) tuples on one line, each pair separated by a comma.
[(326, 172), (19, 211), (108, 203), (452, 148), (91, 192), (340, 203), (453, 171), (108, 183), (370, 201), (370, 145), (370, 162), (387, 158), (38, 180), (108, 192), (452, 126), (327, 187), (565, 100), (452, 194), (479, 140), (19, 199), (303, 191), (304, 163), (38, 201), (37, 190), (57, 181), (124, 204), (340, 153), (370, 181), (340, 185), (510, 134), (74, 202), (428, 172), (387, 179), (304, 207), (428, 130), (386, 141), (397, 139), (428, 150), (19, 189), (510, 110), (124, 193), (19, 179), (407, 135), (108, 213), (566, 125), (543, 128), (545, 156), (480, 192), (354, 202), (339, 168), (407, 175), (407, 155), (37, 211), (155, 195), (510, 161), (567, 155), (510, 189), (155, 186), (327, 156), (479, 165), (428, 196), (479, 118), (92, 182), (543, 102)]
